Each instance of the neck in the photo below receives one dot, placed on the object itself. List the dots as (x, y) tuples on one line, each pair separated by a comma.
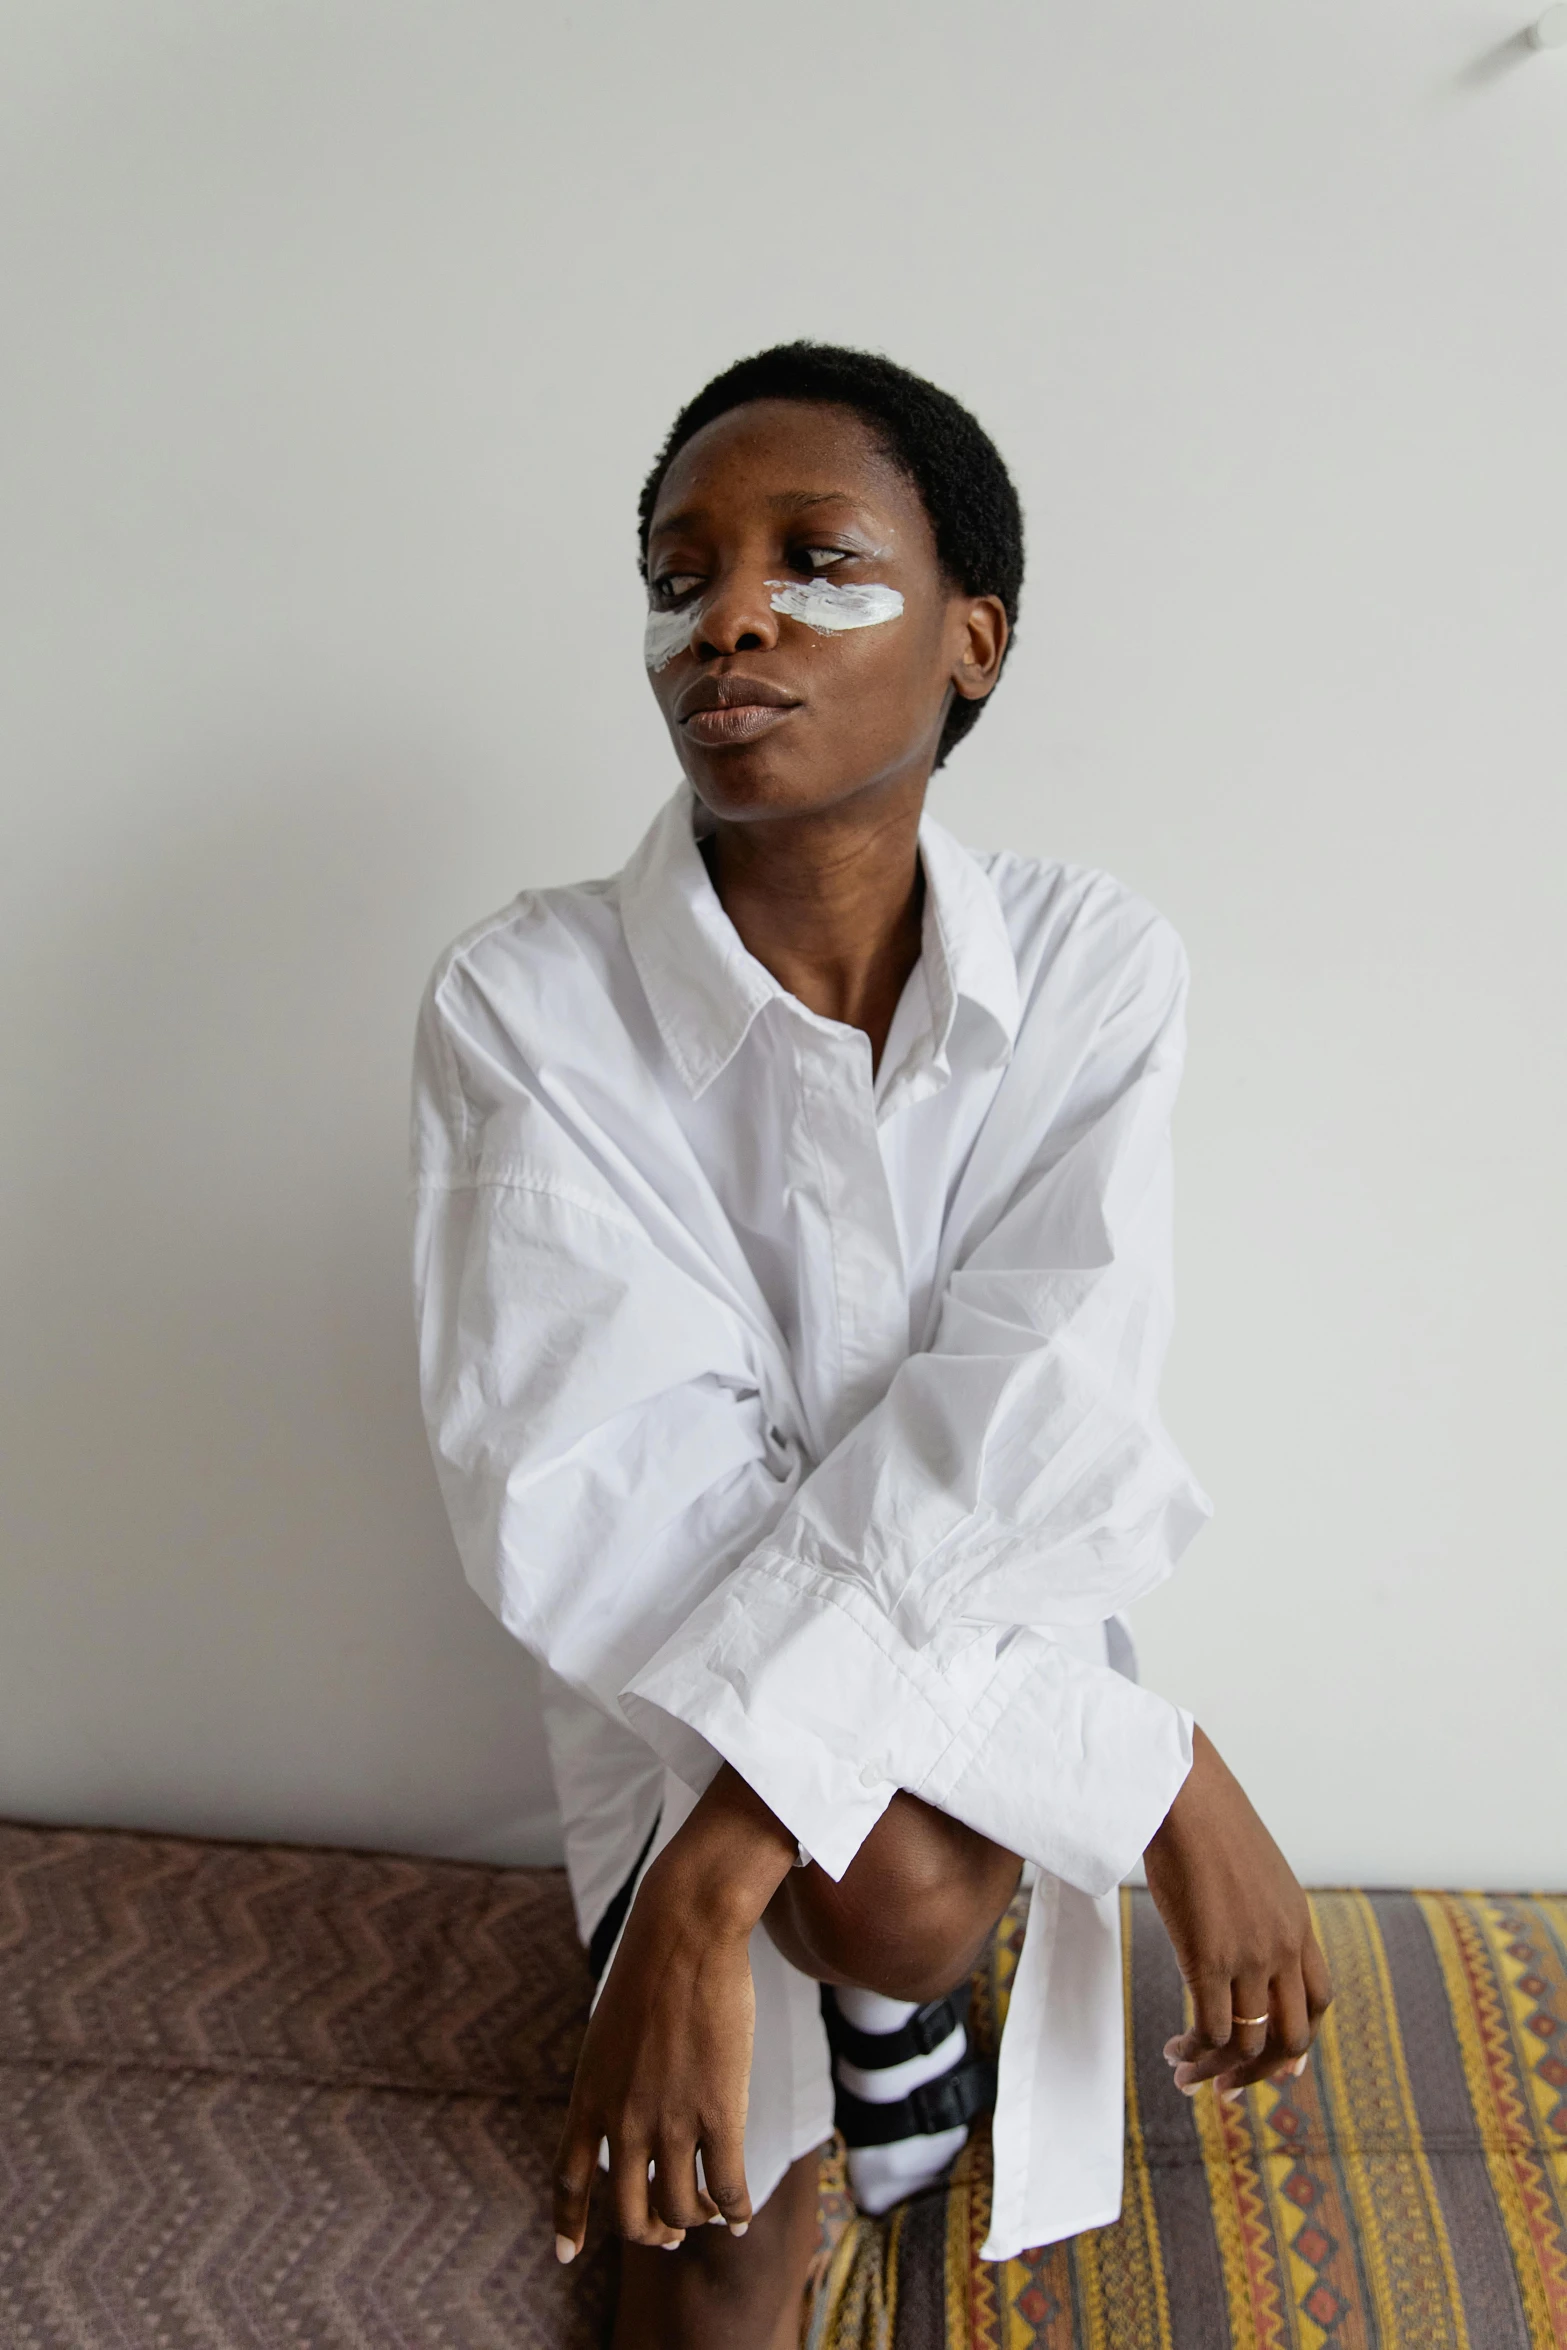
[(829, 903)]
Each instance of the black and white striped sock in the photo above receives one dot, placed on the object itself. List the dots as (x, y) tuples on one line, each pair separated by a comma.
[(907, 2088)]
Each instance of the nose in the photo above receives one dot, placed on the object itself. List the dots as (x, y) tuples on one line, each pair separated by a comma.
[(737, 617)]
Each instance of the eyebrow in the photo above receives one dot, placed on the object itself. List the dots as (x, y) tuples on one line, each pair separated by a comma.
[(786, 502)]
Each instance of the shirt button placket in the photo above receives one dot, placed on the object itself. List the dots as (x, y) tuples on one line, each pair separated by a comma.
[(872, 1291)]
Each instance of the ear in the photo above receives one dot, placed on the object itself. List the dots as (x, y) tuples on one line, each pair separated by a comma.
[(982, 643)]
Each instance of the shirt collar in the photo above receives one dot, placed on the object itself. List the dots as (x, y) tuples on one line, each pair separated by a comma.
[(705, 989), (966, 948)]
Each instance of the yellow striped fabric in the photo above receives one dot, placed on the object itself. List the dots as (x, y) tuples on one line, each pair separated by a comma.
[(1408, 2193)]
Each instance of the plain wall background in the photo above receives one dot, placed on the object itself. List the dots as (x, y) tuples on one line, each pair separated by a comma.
[(337, 340)]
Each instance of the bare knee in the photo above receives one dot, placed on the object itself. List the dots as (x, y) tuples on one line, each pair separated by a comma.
[(911, 1913)]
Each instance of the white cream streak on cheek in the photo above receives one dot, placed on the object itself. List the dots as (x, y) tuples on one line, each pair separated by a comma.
[(666, 634), (821, 604)]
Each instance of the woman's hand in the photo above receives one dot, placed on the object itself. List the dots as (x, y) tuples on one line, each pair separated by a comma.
[(1242, 1934), (665, 2068)]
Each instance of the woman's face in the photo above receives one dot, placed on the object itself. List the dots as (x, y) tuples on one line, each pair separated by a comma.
[(769, 714)]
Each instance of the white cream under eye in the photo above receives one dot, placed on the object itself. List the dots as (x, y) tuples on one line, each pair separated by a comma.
[(823, 605), (820, 603), (668, 633)]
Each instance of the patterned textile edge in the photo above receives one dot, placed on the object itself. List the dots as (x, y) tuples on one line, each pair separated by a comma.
[(1502, 1964), (258, 2097), (1408, 2193), (1327, 2211)]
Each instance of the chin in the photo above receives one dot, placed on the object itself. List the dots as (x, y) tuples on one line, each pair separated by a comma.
[(752, 785), (748, 783)]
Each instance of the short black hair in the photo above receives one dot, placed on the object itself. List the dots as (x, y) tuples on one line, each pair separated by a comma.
[(950, 458)]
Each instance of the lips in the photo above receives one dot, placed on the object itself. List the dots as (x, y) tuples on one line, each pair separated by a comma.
[(716, 728), (719, 710)]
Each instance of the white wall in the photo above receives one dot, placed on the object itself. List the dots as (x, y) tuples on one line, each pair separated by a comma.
[(337, 340)]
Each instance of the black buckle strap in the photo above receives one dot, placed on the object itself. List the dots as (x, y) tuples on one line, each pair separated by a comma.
[(970, 2088), (926, 2029)]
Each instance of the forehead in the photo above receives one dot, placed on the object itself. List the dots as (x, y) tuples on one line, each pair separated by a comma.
[(785, 457)]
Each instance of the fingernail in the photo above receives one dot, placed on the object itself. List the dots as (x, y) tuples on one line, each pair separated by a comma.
[(1299, 2066), (737, 2227), (1231, 2096), (565, 2250), (1188, 2088), (672, 2244), (717, 2220)]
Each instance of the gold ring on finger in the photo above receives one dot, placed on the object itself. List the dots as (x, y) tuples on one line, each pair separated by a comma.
[(1249, 2022)]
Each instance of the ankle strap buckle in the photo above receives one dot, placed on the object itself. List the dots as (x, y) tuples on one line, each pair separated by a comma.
[(970, 2088), (873, 2052)]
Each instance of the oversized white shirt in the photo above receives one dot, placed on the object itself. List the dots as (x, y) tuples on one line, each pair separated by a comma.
[(806, 1417)]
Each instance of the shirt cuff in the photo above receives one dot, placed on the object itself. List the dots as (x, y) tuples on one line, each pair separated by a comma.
[(797, 1679), (1070, 1764)]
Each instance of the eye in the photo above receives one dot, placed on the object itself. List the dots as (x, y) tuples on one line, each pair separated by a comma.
[(818, 559), (674, 585)]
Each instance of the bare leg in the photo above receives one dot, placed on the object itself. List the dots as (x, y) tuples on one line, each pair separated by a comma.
[(912, 1912), (719, 2292), (910, 1918)]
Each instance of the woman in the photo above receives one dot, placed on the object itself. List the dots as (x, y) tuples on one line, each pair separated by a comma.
[(793, 1275)]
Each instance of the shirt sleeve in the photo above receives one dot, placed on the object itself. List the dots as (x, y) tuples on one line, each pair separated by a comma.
[(915, 1619), (594, 1413)]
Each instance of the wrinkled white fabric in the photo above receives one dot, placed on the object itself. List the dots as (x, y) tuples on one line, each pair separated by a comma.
[(807, 1418)]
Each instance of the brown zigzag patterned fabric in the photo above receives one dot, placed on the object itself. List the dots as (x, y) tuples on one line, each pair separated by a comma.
[(254, 2097)]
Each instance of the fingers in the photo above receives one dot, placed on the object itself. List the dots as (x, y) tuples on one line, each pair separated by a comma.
[(1277, 2050), (638, 2222), (1285, 2043), (1213, 2007), (1293, 2029), (655, 2203), (1319, 1983), (1252, 2009), (575, 2163), (723, 2170), (675, 2191), (1204, 2052)]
